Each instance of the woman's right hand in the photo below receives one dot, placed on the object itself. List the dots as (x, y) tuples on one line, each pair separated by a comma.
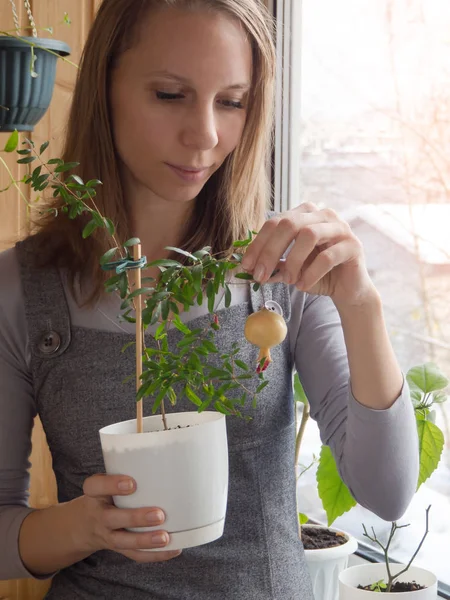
[(105, 523)]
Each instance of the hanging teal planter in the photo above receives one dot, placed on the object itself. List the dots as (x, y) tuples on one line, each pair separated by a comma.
[(24, 99)]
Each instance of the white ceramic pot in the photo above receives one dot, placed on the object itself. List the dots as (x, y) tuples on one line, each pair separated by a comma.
[(326, 564), (183, 471), (371, 573)]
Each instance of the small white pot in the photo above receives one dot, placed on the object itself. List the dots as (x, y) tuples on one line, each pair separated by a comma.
[(183, 471), (371, 573), (326, 564)]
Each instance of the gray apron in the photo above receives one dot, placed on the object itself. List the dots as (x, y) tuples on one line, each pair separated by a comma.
[(78, 376)]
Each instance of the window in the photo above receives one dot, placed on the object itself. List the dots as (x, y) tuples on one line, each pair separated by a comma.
[(367, 126)]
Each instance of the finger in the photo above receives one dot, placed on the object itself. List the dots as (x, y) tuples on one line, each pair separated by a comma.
[(108, 485), (325, 261), (307, 240), (121, 518), (150, 557), (264, 253), (131, 540)]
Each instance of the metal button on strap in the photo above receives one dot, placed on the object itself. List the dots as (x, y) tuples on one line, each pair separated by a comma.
[(49, 342)]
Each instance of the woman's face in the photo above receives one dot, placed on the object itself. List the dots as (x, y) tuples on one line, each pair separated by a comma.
[(178, 100)]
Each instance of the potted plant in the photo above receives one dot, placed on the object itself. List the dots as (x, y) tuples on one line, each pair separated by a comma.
[(28, 75), (186, 452), (326, 549), (426, 383), (391, 579)]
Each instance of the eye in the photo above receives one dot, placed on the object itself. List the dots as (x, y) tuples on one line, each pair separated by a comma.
[(232, 104), (168, 96), (274, 307)]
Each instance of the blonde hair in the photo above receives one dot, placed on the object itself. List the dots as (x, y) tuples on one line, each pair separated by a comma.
[(232, 201)]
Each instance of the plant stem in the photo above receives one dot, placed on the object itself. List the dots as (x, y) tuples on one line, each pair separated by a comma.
[(415, 553), (32, 45), (163, 414), (138, 312), (301, 431), (14, 182)]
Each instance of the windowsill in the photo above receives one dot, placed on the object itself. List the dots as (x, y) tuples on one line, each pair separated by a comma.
[(365, 554)]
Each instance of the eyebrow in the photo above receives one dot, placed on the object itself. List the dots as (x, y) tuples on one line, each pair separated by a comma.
[(179, 78)]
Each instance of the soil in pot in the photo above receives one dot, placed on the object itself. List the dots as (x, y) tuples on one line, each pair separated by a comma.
[(399, 586), (318, 538)]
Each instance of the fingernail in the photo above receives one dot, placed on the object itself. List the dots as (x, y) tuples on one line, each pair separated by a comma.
[(160, 538), (126, 485), (245, 263), (258, 274), (287, 278), (155, 517)]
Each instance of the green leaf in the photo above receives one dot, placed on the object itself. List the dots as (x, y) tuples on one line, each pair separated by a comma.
[(211, 295), (192, 396), (44, 147), (26, 161), (108, 256), (164, 262), (77, 180), (140, 292), (256, 287), (12, 142), (109, 226), (299, 392), (93, 183), (261, 386), (302, 518), (160, 331), (227, 296), (245, 276), (89, 229), (178, 323), (210, 346), (132, 242), (179, 251), (55, 161), (431, 444), (197, 275), (241, 243), (427, 378), (24, 152), (66, 167), (335, 495), (241, 365)]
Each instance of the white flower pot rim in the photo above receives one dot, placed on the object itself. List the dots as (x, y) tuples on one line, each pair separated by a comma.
[(177, 422), (324, 554), (370, 573)]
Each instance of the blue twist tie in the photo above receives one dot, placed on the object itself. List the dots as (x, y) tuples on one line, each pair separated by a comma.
[(125, 264)]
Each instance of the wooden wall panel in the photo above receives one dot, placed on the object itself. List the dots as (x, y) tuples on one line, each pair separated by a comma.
[(13, 213)]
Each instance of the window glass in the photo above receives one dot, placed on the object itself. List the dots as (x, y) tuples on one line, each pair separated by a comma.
[(375, 146)]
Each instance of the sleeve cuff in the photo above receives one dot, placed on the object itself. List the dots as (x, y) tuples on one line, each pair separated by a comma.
[(364, 413), (13, 566)]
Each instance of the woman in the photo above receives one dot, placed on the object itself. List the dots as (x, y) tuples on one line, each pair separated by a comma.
[(172, 111)]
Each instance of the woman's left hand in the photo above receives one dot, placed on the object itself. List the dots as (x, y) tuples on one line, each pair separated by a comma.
[(326, 258)]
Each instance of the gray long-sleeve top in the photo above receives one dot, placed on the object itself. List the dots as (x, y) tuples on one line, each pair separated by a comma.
[(376, 451)]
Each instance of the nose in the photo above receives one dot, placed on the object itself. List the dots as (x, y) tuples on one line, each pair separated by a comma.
[(200, 128)]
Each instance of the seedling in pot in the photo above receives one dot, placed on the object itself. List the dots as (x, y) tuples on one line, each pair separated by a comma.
[(392, 585)]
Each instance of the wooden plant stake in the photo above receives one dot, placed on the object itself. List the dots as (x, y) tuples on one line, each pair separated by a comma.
[(138, 307)]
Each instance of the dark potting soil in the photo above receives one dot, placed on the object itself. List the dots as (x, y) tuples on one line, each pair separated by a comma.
[(399, 586), (316, 539)]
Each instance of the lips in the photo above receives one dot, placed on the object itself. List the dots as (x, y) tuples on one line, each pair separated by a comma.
[(189, 174)]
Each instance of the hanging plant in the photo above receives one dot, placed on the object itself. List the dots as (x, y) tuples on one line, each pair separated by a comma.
[(28, 68)]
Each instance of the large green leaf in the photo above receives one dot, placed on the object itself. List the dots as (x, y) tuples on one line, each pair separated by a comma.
[(431, 444), (427, 378), (299, 392), (335, 495)]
